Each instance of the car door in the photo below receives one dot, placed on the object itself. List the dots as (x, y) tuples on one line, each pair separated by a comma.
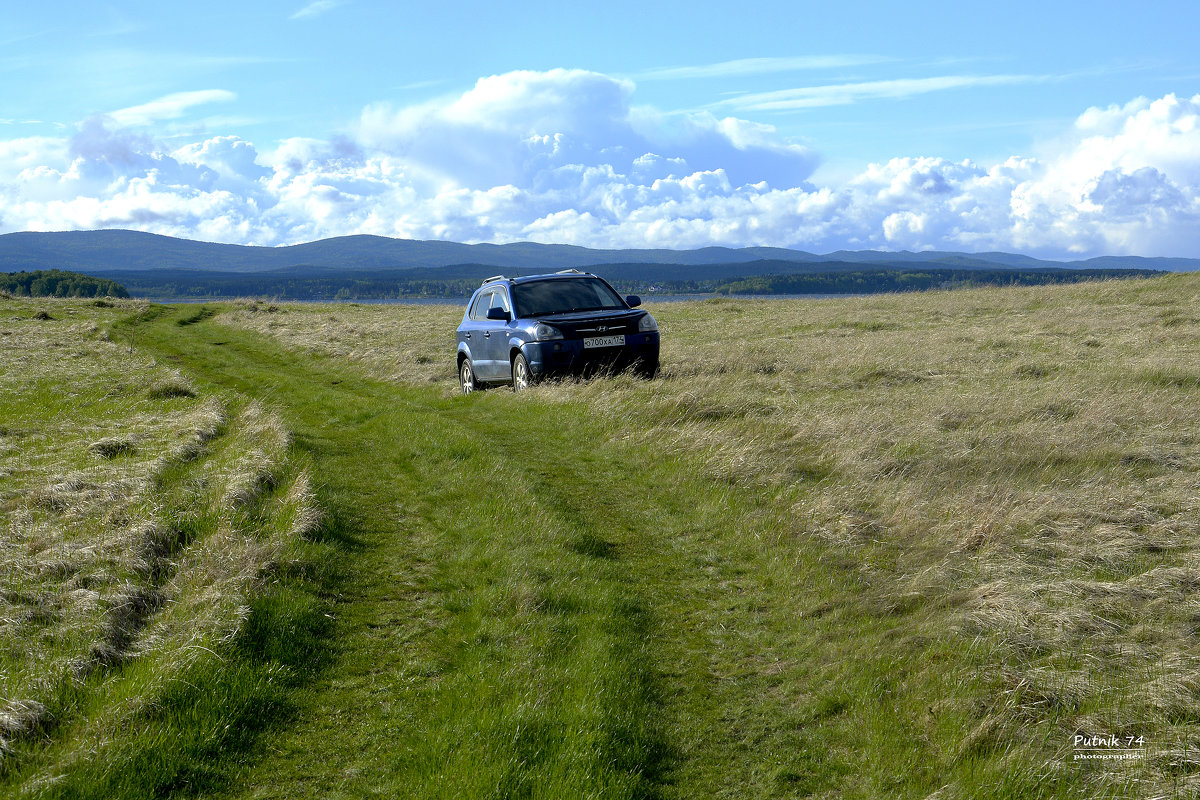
[(495, 335), (474, 329)]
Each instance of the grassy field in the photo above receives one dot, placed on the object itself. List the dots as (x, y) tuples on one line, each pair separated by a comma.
[(902, 546), (139, 516)]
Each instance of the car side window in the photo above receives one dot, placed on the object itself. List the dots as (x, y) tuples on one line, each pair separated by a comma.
[(481, 305)]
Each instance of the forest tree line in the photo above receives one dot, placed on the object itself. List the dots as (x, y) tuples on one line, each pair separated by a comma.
[(872, 281), (57, 283)]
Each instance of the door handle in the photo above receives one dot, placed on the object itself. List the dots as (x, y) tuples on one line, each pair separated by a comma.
[(487, 334), (467, 335)]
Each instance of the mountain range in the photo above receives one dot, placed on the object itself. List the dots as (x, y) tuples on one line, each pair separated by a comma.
[(107, 251)]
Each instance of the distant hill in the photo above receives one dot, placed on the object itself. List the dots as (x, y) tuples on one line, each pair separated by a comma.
[(109, 251), (376, 267)]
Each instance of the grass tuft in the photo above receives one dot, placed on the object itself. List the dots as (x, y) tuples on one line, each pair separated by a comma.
[(1172, 377), (112, 446), (171, 386), (19, 719)]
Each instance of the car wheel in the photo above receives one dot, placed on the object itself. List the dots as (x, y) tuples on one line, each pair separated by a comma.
[(646, 369), (466, 376), (522, 376)]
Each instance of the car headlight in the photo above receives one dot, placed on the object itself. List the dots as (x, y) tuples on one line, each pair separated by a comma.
[(544, 332), (647, 323)]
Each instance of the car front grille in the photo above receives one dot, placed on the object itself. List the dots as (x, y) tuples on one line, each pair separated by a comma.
[(612, 329)]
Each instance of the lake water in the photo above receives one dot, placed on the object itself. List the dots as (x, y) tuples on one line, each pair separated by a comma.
[(456, 301)]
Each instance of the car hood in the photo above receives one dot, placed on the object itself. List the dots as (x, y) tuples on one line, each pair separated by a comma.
[(595, 323)]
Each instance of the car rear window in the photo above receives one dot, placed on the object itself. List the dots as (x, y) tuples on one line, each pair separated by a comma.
[(559, 296), (483, 301)]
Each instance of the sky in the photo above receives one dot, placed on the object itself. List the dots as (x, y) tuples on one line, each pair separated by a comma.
[(1060, 129)]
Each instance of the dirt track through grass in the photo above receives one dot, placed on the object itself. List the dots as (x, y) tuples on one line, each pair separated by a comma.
[(525, 608), (487, 637)]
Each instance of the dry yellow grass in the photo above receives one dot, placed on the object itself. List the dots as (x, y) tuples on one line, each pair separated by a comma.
[(406, 343), (1022, 464)]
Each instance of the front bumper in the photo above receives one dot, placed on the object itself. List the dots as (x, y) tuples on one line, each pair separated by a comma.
[(570, 357)]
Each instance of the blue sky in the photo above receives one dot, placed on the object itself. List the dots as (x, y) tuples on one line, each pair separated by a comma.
[(1058, 129)]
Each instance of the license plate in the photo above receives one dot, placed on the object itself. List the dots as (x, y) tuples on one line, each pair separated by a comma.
[(604, 341)]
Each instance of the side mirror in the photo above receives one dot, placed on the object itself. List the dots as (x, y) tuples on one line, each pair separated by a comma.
[(633, 301), (496, 312)]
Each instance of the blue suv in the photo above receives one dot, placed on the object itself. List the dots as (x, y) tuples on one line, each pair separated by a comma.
[(520, 330)]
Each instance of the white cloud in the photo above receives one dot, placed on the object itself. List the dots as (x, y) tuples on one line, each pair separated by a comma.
[(317, 8), (848, 93), (563, 156), (521, 127), (172, 106), (758, 66)]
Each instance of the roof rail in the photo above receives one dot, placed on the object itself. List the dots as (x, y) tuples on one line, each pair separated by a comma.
[(571, 271), (486, 281)]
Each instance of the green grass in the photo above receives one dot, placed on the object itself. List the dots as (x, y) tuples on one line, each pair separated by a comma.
[(878, 547), (428, 604), (140, 518)]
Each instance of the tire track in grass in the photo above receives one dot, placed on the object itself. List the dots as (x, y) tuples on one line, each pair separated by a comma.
[(527, 608), (488, 643)]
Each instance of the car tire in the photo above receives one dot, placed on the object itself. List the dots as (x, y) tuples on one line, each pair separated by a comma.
[(646, 369), (522, 375), (466, 376)]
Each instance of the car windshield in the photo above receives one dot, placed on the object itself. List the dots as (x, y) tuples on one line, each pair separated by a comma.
[(559, 296)]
